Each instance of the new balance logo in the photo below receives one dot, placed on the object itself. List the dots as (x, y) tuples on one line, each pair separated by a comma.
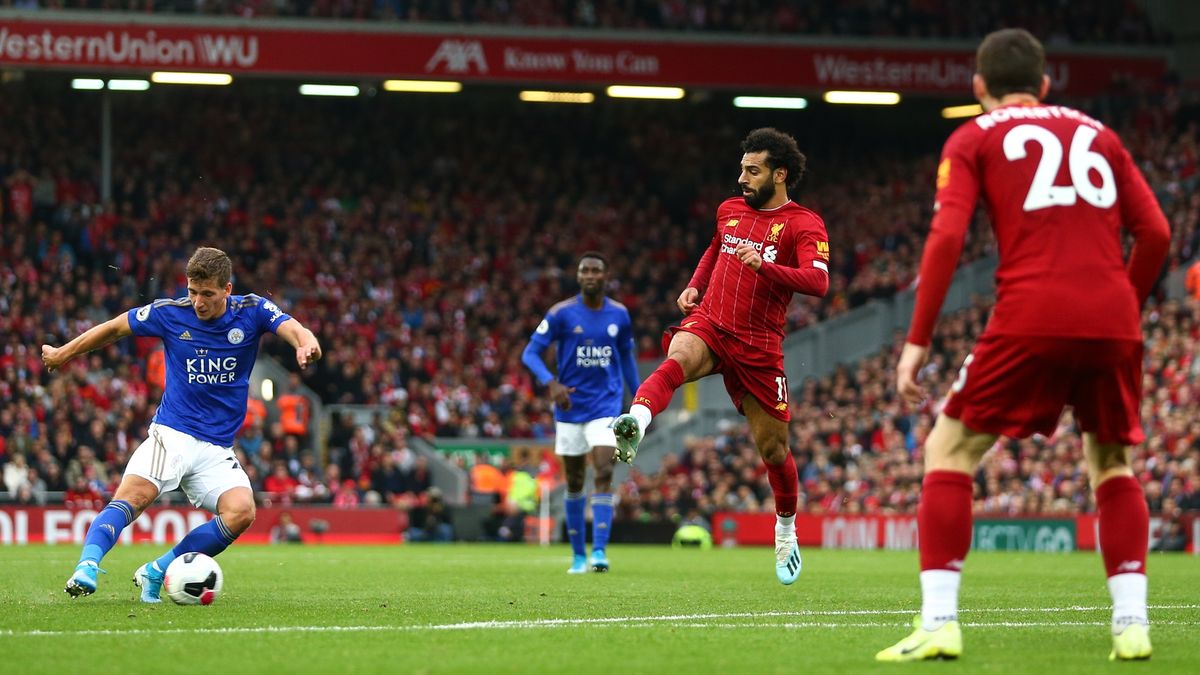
[(955, 565), (185, 335), (732, 222), (1129, 566)]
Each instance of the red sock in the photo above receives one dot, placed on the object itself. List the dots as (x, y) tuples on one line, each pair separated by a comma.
[(944, 520), (657, 389), (785, 484), (1124, 525)]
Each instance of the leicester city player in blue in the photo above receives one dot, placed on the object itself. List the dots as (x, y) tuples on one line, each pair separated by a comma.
[(211, 339), (594, 338)]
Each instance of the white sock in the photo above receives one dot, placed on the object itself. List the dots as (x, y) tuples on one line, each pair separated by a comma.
[(785, 524), (939, 598), (642, 414), (1129, 600)]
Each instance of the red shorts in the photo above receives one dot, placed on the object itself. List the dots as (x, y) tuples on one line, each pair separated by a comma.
[(756, 372), (1017, 385)]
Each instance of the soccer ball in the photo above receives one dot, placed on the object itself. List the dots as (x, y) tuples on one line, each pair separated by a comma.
[(193, 579)]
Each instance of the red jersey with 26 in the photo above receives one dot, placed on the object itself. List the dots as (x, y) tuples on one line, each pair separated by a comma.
[(752, 305), (1059, 186)]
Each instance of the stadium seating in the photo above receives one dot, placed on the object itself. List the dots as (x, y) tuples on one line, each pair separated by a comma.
[(858, 448), (1080, 21), (424, 279)]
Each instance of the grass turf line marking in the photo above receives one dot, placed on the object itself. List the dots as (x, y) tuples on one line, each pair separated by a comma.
[(686, 621)]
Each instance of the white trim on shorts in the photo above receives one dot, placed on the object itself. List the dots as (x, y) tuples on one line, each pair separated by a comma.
[(171, 459), (573, 439)]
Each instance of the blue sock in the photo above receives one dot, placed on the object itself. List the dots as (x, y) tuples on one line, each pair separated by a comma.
[(602, 515), (210, 539), (103, 532), (575, 521)]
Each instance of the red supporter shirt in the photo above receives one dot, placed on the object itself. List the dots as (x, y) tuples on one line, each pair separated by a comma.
[(753, 305), (1058, 186)]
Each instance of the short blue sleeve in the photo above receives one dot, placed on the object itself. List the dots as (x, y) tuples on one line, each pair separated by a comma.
[(268, 315), (147, 321)]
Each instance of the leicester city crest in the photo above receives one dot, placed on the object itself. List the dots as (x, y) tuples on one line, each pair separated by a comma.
[(235, 336)]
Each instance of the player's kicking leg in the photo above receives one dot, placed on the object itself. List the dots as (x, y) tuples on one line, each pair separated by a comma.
[(952, 452), (689, 358), (235, 513), (131, 498), (629, 430)]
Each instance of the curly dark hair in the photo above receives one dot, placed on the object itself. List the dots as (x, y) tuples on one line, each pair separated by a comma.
[(782, 151)]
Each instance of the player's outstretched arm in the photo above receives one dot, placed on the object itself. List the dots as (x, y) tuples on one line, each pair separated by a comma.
[(94, 338), (302, 339)]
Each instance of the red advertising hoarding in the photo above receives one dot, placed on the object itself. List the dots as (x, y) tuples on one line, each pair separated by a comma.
[(167, 525), (324, 49), (900, 532)]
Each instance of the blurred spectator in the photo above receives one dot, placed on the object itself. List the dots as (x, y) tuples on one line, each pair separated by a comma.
[(16, 473), (286, 531), (294, 409), (1192, 280), (83, 495), (280, 484), (429, 520)]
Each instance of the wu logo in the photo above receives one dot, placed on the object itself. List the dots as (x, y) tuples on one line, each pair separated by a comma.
[(458, 57)]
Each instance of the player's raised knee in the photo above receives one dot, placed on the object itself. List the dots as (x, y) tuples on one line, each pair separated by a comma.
[(239, 516)]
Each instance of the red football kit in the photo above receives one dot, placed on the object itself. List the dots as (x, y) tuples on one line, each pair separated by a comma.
[(742, 313), (1066, 330)]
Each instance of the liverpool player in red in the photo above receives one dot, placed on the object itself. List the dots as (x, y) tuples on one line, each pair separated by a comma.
[(1059, 187), (766, 248)]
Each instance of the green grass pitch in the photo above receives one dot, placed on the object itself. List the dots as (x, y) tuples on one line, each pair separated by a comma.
[(513, 609)]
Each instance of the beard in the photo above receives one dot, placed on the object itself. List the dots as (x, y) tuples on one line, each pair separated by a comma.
[(762, 195)]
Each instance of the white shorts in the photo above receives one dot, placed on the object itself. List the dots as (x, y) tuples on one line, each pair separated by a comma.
[(172, 459), (576, 439)]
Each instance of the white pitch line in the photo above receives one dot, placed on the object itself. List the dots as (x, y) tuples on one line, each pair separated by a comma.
[(682, 621)]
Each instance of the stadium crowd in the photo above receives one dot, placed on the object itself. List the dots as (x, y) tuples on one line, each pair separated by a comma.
[(1061, 22), (858, 447), (424, 279)]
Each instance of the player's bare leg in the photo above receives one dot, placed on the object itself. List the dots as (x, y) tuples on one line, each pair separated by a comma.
[(952, 452), (602, 505), (1124, 537), (132, 497), (688, 359), (771, 438)]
